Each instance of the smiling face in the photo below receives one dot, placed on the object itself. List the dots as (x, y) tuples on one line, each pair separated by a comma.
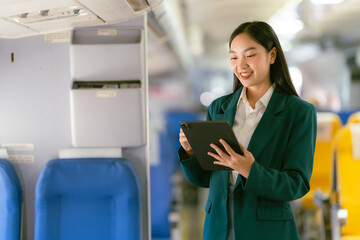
[(251, 62)]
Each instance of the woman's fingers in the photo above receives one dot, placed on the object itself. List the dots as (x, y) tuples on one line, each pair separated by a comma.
[(220, 156), (219, 151), (217, 157), (231, 159), (226, 158), (227, 147), (229, 151), (184, 142)]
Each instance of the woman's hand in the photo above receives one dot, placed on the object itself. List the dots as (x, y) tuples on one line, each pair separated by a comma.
[(185, 143), (240, 163)]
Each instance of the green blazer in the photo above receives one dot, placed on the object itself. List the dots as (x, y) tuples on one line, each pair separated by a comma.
[(283, 146)]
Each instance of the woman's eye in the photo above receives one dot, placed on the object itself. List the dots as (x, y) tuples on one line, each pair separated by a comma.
[(249, 56), (233, 58)]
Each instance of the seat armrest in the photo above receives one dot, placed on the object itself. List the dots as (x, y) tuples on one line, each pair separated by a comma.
[(321, 199)]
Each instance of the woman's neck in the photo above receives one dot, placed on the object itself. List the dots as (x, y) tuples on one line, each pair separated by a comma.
[(253, 94)]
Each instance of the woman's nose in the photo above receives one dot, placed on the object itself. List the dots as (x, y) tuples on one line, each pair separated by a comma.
[(241, 64)]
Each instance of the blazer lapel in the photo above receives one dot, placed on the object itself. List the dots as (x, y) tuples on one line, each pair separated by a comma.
[(228, 108), (227, 113), (269, 123)]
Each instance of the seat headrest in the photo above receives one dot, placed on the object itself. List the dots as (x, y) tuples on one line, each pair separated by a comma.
[(325, 122), (354, 118), (90, 153), (87, 177), (3, 153), (12, 180), (355, 140)]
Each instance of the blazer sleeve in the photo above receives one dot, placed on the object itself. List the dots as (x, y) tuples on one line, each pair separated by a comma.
[(191, 166), (292, 180)]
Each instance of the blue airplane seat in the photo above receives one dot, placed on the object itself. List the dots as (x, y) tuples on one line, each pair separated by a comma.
[(91, 198), (10, 202), (162, 193)]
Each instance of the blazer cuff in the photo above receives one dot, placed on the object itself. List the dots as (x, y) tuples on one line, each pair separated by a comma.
[(251, 181), (184, 159)]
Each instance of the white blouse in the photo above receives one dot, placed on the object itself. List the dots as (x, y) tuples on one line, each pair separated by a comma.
[(247, 119)]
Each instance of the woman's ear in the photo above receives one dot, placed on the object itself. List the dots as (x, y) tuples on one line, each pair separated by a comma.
[(273, 55)]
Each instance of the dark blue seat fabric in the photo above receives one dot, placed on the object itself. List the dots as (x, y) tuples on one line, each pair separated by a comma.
[(161, 190), (92, 199), (162, 195), (10, 202)]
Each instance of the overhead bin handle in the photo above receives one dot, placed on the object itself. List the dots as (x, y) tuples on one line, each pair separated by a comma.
[(106, 84)]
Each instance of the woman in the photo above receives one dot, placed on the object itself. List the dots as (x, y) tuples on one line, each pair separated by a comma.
[(277, 132)]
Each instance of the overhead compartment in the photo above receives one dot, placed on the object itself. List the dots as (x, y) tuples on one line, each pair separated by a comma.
[(115, 10), (31, 17), (12, 29)]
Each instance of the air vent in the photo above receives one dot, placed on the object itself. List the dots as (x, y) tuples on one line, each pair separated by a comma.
[(138, 5), (49, 14)]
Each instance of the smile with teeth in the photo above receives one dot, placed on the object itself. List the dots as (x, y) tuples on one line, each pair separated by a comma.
[(245, 74)]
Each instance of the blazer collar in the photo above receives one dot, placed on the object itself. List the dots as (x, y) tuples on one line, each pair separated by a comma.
[(232, 101), (275, 106)]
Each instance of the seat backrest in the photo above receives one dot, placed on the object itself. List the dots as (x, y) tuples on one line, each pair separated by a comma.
[(348, 177), (162, 170), (96, 198), (10, 202), (328, 124), (354, 118)]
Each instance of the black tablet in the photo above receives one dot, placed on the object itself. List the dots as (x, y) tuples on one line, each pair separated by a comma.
[(201, 134)]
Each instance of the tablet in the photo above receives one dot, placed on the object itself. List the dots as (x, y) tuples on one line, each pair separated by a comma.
[(201, 133)]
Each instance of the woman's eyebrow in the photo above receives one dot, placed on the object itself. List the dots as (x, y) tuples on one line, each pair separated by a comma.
[(248, 49)]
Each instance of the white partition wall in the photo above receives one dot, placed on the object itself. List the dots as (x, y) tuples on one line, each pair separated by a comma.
[(108, 96), (45, 94), (107, 53)]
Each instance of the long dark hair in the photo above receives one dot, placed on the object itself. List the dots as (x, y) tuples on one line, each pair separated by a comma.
[(263, 33)]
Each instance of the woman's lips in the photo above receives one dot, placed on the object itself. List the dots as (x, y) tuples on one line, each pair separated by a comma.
[(245, 75)]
